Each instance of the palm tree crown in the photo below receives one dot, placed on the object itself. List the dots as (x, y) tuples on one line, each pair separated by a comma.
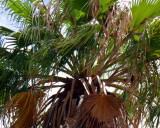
[(83, 48)]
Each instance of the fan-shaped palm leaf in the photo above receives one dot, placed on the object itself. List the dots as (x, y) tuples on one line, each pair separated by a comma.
[(22, 108), (143, 10), (101, 111)]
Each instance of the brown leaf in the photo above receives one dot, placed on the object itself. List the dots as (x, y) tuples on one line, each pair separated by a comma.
[(101, 111), (22, 109)]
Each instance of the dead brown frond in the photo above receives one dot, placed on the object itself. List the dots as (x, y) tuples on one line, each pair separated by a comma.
[(64, 105), (116, 23), (95, 4), (101, 111), (22, 108)]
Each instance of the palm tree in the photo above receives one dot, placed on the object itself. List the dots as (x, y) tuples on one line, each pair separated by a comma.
[(83, 49)]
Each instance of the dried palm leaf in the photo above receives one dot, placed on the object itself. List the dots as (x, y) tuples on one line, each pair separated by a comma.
[(101, 111), (23, 109)]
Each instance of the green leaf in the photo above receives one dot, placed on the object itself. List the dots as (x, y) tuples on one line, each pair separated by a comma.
[(105, 4), (79, 5), (5, 31), (143, 9), (20, 11)]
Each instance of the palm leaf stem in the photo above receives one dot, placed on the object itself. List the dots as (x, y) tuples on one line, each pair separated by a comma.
[(50, 78), (131, 33), (121, 87)]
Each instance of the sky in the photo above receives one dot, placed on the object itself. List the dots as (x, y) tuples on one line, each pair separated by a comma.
[(6, 21)]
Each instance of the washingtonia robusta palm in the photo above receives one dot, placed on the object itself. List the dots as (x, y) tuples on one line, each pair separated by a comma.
[(83, 48)]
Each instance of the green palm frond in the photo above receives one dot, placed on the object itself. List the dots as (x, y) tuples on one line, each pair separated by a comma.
[(83, 41), (79, 6), (21, 11), (5, 31), (154, 31), (10, 83), (143, 10)]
